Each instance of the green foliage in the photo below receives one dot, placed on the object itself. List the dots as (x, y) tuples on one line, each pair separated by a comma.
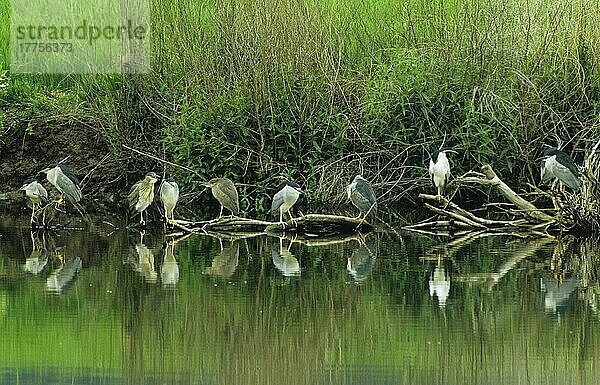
[(319, 90)]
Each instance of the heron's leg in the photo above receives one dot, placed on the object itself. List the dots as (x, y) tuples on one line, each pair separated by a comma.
[(142, 217), (221, 212), (32, 214)]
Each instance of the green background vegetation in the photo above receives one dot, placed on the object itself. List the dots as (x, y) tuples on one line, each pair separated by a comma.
[(320, 90)]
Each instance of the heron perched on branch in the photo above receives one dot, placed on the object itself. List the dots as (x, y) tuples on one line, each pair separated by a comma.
[(65, 181), (141, 194), (439, 171), (225, 192), (557, 164), (169, 195), (36, 194), (362, 196), (285, 198)]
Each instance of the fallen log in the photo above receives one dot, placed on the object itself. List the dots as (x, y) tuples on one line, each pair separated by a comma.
[(525, 215), (308, 226)]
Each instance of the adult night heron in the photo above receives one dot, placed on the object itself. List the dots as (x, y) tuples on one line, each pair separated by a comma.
[(557, 164), (285, 198), (36, 194), (439, 170), (65, 181), (362, 196), (169, 194), (141, 194), (225, 192)]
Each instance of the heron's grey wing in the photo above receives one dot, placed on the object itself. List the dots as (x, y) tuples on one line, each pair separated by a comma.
[(546, 174), (277, 202), (41, 192), (72, 190), (134, 195), (229, 196), (363, 203), (67, 171), (566, 161), (566, 175)]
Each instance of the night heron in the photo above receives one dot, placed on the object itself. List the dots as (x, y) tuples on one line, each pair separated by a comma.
[(65, 181), (169, 194), (439, 285), (285, 198), (362, 196), (64, 276), (36, 194), (224, 264), (141, 194), (225, 192), (169, 271), (439, 171), (557, 164), (284, 260)]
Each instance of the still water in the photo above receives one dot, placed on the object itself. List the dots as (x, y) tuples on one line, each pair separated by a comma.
[(112, 306)]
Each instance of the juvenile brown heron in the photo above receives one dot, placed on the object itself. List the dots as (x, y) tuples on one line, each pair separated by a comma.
[(557, 164), (36, 194), (141, 194), (225, 192), (285, 198), (362, 196), (65, 181), (439, 171), (169, 195)]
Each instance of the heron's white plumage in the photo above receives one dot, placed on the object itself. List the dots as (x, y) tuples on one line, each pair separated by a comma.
[(439, 285), (64, 184), (552, 168), (169, 195), (284, 199), (439, 171)]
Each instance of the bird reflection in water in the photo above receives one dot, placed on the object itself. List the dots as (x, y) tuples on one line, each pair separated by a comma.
[(225, 263), (65, 275), (144, 264), (439, 284), (169, 271), (558, 294), (361, 262), (284, 260), (38, 258)]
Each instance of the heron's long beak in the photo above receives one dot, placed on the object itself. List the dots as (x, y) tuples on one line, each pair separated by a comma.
[(22, 188)]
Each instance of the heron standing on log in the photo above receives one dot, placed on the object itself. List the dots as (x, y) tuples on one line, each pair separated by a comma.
[(169, 195), (362, 196), (557, 164), (141, 194), (285, 198), (439, 171), (36, 194), (65, 181), (225, 192)]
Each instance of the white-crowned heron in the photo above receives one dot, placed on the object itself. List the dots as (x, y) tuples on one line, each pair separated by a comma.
[(225, 192), (169, 271), (439, 285), (141, 194), (169, 195), (36, 194), (557, 164), (65, 181), (285, 198), (439, 171), (362, 196)]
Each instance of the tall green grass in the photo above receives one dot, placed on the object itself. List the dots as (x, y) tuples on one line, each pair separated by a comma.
[(320, 90)]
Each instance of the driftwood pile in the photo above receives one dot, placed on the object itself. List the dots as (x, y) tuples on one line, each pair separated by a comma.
[(572, 211)]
